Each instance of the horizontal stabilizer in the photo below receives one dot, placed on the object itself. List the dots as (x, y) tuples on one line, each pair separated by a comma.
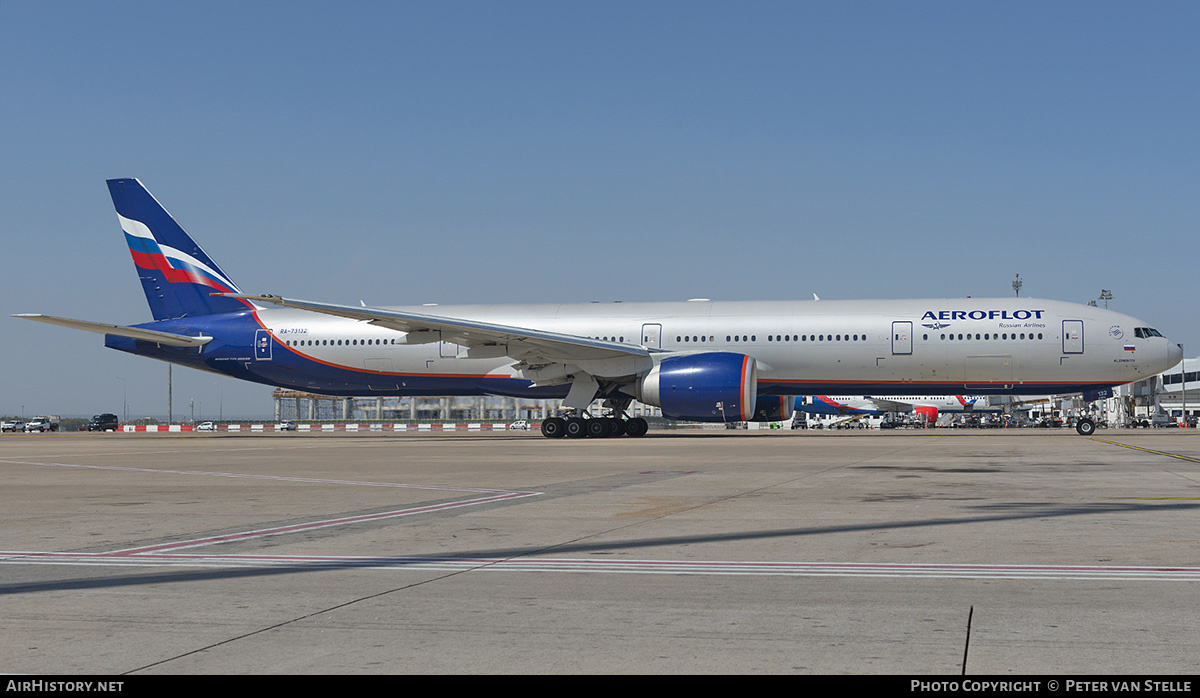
[(175, 340)]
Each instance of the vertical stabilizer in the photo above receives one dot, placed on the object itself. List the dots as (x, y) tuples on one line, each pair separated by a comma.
[(177, 276)]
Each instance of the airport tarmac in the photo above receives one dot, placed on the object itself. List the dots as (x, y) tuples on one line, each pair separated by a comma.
[(705, 552)]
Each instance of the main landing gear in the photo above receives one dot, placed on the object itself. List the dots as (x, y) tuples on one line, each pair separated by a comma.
[(578, 427), (1085, 426)]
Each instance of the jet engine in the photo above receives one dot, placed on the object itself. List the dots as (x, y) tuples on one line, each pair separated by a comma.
[(773, 408), (710, 387)]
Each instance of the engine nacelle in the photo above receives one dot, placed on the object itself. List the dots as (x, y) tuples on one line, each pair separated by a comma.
[(712, 387), (773, 408), (929, 415)]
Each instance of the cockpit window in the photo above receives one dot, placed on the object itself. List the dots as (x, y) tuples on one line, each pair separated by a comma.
[(1145, 332)]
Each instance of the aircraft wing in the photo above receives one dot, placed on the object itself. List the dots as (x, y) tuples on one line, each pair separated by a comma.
[(889, 405), (482, 339), (174, 340)]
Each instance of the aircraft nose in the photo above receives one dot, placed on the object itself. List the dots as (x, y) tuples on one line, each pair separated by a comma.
[(1174, 353)]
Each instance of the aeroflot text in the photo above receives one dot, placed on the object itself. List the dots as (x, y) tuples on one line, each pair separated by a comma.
[(982, 315)]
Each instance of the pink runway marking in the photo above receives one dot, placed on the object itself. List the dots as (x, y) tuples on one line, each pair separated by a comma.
[(313, 525), (206, 473), (495, 496)]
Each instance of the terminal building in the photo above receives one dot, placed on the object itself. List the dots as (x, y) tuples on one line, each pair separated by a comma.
[(310, 407)]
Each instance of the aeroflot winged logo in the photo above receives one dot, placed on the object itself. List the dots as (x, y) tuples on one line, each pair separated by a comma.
[(983, 315)]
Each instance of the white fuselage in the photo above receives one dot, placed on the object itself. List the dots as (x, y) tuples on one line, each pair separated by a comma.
[(906, 347)]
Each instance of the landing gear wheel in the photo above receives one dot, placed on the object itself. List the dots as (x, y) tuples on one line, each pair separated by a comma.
[(636, 427), (554, 427), (1085, 427), (576, 428), (616, 427), (596, 428)]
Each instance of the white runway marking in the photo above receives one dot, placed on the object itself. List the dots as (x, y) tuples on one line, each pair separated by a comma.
[(712, 567)]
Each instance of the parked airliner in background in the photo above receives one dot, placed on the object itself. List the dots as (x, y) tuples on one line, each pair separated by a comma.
[(930, 405), (704, 361)]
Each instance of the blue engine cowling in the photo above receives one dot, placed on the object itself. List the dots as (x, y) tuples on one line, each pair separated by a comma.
[(712, 387), (773, 408)]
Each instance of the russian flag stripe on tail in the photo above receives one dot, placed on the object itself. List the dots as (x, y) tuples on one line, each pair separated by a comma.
[(177, 276)]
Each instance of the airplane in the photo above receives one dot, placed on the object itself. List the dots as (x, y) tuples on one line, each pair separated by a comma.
[(699, 360), (929, 405)]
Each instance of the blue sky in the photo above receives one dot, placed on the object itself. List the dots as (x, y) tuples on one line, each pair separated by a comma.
[(402, 152)]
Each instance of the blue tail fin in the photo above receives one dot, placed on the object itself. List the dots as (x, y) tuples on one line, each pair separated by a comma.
[(177, 276)]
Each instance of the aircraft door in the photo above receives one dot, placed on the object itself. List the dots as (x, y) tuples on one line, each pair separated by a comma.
[(1072, 336), (262, 345), (902, 337), (652, 336)]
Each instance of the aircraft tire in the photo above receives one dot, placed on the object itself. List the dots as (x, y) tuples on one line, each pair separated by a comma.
[(554, 427), (616, 427), (636, 427), (1085, 427), (596, 428), (576, 428)]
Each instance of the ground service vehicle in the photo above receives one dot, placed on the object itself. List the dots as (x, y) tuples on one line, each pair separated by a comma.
[(43, 423), (103, 422)]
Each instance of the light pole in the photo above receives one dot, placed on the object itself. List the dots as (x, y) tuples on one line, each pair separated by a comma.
[(1016, 284), (1183, 386), (124, 399)]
